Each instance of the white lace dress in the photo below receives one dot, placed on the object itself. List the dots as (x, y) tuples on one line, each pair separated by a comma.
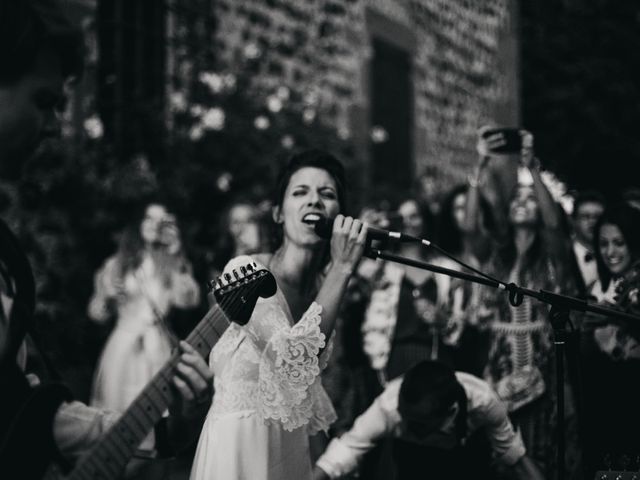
[(268, 396)]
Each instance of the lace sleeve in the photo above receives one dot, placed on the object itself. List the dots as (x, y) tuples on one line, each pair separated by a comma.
[(289, 366), (290, 359)]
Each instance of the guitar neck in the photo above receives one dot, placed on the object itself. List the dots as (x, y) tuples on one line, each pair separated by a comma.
[(108, 458)]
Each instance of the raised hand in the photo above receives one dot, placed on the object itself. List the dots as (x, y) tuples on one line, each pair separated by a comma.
[(169, 235), (488, 142)]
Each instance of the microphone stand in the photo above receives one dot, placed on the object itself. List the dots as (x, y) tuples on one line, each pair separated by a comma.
[(561, 307)]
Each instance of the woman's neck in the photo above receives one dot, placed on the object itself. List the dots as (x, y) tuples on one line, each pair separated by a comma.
[(296, 265), (523, 239)]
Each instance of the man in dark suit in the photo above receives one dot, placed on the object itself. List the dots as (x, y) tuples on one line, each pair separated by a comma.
[(587, 208)]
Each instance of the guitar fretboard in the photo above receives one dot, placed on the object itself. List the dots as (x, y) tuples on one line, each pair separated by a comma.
[(110, 455)]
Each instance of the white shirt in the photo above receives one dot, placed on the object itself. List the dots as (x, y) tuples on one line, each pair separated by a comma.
[(484, 409), (588, 270), (77, 427)]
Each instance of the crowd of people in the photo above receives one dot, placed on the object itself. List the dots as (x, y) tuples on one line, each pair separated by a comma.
[(354, 368)]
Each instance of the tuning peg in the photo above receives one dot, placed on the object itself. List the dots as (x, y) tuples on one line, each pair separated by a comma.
[(243, 271), (220, 284), (227, 277), (255, 266), (211, 284), (236, 274), (250, 267)]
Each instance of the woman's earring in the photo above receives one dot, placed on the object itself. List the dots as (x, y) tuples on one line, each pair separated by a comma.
[(277, 217)]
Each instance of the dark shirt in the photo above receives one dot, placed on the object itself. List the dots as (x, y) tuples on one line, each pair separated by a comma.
[(416, 337)]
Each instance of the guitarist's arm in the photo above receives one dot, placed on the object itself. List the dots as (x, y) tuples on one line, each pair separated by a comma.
[(78, 426)]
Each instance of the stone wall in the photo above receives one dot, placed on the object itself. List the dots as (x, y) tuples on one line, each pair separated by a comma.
[(464, 63), (464, 57)]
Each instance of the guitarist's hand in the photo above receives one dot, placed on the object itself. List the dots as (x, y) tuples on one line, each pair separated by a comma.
[(193, 383)]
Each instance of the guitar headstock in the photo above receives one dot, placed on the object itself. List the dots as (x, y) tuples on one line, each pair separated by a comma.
[(237, 292)]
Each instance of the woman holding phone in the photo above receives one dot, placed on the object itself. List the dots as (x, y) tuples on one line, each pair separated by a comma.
[(532, 254)]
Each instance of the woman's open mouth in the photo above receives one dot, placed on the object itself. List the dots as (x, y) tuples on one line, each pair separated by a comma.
[(312, 218)]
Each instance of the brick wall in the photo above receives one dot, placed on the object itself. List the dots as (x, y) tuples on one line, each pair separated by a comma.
[(464, 57)]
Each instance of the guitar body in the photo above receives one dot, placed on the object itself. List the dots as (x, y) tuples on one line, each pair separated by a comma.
[(236, 295)]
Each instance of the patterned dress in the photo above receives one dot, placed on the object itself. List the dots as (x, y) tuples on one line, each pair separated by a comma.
[(521, 365), (268, 395)]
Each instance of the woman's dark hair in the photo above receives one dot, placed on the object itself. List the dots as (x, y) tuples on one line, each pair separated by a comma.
[(450, 237), (309, 158), (317, 159), (506, 249), (131, 245), (430, 388), (26, 26), (627, 219)]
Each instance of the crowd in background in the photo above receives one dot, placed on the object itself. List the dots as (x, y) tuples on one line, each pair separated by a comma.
[(432, 376), (396, 316)]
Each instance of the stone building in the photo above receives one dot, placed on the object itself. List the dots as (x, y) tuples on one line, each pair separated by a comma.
[(410, 81), (407, 81)]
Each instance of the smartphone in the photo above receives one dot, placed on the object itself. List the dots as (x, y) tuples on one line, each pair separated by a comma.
[(512, 140)]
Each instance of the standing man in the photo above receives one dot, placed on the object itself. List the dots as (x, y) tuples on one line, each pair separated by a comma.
[(587, 209), (40, 50)]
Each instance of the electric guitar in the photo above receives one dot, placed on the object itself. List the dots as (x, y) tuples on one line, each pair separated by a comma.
[(236, 295)]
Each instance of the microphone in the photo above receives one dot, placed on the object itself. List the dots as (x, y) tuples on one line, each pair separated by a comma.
[(324, 228)]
